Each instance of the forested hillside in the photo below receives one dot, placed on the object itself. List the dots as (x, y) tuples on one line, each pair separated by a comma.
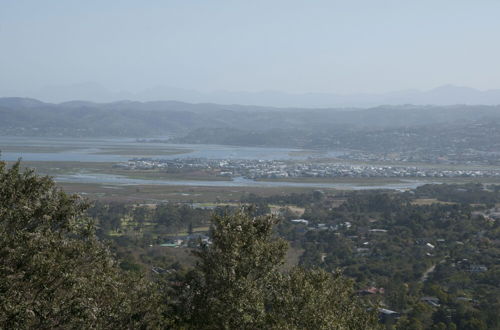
[(30, 117)]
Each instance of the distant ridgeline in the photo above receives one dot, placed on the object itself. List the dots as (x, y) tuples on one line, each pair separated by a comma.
[(395, 128)]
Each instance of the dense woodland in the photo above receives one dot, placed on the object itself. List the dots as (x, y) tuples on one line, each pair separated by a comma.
[(430, 254), (438, 241)]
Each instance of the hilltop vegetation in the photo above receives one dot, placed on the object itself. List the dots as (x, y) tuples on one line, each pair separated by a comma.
[(55, 273)]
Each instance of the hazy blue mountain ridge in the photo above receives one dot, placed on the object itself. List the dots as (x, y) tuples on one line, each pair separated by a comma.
[(443, 95)]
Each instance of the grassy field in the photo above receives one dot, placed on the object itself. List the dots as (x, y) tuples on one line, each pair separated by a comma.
[(428, 201), (164, 193), (346, 180), (66, 168), (61, 168)]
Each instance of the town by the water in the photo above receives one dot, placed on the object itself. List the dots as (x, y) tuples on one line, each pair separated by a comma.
[(276, 169)]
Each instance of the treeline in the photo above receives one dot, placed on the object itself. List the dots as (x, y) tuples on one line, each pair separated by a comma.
[(163, 218), (471, 193), (299, 199)]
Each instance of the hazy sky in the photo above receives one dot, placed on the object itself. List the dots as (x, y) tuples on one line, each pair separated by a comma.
[(295, 46)]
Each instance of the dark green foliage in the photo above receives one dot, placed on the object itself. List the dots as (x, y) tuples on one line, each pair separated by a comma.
[(393, 239), (466, 193), (228, 289), (301, 199), (315, 299), (238, 284), (54, 273)]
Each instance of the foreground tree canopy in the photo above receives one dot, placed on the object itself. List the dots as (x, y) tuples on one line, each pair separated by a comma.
[(239, 283), (55, 273)]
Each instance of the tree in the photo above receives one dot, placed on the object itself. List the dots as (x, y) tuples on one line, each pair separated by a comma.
[(54, 273), (238, 283), (315, 299), (227, 289)]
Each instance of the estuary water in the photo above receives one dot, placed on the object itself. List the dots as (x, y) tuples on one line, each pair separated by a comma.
[(122, 149), (104, 150)]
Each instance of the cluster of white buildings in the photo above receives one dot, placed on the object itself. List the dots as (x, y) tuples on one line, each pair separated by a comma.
[(257, 169)]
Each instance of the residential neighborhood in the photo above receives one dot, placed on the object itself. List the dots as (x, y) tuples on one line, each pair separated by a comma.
[(279, 169)]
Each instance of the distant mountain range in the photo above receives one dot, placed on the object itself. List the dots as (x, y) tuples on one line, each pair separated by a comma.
[(444, 95), (31, 117)]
